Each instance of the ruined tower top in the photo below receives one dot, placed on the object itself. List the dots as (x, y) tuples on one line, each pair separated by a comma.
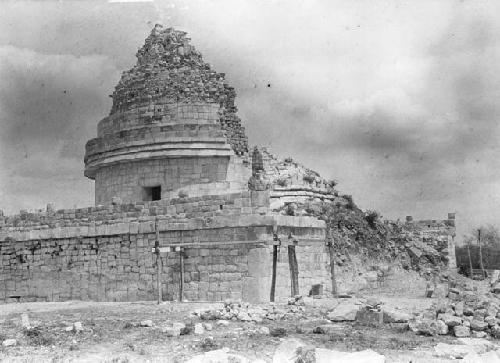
[(173, 124), (168, 66)]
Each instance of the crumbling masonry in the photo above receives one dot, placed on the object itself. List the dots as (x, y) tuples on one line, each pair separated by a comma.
[(172, 168)]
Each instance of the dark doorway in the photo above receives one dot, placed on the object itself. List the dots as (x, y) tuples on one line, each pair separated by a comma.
[(151, 193)]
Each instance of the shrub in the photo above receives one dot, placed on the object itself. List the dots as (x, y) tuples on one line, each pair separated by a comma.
[(350, 202), (37, 336), (332, 183), (372, 218), (182, 194), (289, 160), (309, 178), (290, 209), (281, 182)]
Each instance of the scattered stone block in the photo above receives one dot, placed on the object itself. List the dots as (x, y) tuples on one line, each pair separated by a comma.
[(171, 331), (264, 330), (147, 323), (479, 334), (442, 327), (450, 320), (495, 331), (395, 316), (277, 332), (367, 316), (425, 327), (222, 322), (25, 321), (459, 308), (461, 331), (9, 342), (478, 325), (468, 311), (198, 329), (78, 326), (344, 312), (491, 321)]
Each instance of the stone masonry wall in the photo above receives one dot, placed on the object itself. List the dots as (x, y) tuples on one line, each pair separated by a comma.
[(291, 182), (125, 180), (230, 259), (181, 213), (438, 234), (169, 68), (123, 268), (167, 114)]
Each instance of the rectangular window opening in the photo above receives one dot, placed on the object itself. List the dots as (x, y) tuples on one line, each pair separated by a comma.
[(151, 193)]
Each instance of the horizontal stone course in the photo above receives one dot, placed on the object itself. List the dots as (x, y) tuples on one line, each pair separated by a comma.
[(123, 268)]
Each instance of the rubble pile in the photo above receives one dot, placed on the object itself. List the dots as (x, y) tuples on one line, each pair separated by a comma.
[(358, 232), (243, 311), (467, 313), (169, 69)]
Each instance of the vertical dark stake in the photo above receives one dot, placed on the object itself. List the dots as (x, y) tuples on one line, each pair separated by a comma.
[(332, 267), (294, 270), (470, 260), (158, 261), (181, 282), (480, 253), (273, 280)]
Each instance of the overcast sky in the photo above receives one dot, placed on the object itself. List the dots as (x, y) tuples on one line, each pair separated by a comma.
[(397, 100)]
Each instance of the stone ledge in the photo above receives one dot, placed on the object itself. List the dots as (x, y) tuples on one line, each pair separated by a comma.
[(129, 156), (251, 220)]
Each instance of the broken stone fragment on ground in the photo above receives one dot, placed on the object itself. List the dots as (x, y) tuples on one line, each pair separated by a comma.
[(9, 342), (346, 311), (395, 316), (198, 329)]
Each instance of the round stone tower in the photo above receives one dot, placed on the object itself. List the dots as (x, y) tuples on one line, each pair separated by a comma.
[(172, 128)]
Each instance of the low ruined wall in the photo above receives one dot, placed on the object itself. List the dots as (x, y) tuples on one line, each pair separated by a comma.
[(187, 212), (123, 267), (437, 234), (113, 261)]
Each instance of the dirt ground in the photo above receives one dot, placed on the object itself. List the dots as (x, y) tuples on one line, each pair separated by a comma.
[(112, 333)]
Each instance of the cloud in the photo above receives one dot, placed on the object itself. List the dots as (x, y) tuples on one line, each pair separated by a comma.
[(49, 107), (396, 100)]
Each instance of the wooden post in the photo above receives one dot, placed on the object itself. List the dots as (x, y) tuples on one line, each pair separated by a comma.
[(276, 241), (181, 282), (273, 279), (470, 260), (294, 270), (480, 253), (158, 261), (331, 253)]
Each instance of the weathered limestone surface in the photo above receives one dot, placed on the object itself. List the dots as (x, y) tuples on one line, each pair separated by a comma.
[(291, 182), (225, 256), (173, 124), (437, 234)]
